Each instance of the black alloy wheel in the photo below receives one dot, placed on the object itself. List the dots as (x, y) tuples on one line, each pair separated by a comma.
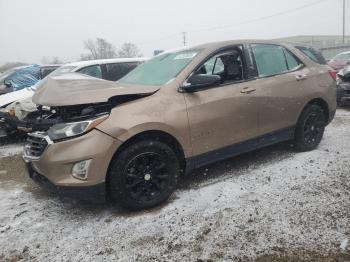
[(310, 128), (143, 175), (146, 176)]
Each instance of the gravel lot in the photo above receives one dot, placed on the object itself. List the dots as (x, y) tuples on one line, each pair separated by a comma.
[(269, 205)]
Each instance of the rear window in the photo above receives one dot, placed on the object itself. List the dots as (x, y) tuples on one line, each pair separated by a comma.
[(93, 70), (118, 70), (313, 54)]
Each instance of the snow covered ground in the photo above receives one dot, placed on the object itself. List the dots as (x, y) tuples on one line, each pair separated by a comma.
[(269, 205)]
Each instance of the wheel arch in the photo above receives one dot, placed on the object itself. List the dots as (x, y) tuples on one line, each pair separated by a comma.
[(157, 135), (321, 103)]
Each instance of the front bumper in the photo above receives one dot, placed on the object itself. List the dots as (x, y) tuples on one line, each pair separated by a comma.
[(96, 193), (343, 94), (55, 164)]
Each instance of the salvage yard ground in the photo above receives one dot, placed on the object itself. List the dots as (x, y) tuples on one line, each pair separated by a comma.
[(270, 205)]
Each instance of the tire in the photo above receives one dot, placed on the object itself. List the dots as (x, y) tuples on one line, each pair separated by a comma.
[(310, 128), (143, 175), (339, 104)]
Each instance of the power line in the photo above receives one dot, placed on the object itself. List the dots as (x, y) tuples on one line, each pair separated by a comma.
[(237, 24), (260, 18)]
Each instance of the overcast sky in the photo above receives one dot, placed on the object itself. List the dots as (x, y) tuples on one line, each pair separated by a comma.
[(33, 29)]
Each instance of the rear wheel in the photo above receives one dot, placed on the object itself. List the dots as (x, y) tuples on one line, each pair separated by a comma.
[(310, 128), (143, 175)]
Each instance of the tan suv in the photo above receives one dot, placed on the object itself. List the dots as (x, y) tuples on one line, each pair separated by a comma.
[(178, 111)]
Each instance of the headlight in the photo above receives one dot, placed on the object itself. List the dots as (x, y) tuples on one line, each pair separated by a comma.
[(65, 130)]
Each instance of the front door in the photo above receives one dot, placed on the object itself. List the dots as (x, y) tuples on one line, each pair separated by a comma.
[(223, 116)]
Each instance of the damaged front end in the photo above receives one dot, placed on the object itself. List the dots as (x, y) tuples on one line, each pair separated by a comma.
[(71, 99), (343, 87), (36, 121), (46, 117)]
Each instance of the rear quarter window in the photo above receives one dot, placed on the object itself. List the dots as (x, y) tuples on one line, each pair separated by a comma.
[(312, 54)]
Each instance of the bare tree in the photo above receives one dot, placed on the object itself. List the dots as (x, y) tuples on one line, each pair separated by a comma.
[(98, 49), (129, 50)]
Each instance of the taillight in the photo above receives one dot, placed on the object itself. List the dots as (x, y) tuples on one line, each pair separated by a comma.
[(333, 74)]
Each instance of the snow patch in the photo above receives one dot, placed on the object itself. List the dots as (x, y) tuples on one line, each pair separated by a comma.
[(344, 244), (11, 150)]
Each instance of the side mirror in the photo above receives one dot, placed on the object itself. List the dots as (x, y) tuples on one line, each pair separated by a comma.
[(7, 83), (201, 81)]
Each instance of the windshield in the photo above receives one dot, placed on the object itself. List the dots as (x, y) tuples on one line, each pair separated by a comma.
[(161, 69), (344, 56)]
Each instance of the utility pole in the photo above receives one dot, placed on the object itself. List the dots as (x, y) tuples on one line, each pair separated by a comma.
[(343, 22), (184, 38)]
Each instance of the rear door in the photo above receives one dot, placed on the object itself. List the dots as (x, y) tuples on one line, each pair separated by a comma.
[(281, 82)]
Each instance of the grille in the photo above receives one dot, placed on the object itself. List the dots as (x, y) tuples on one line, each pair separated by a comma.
[(36, 145), (347, 92)]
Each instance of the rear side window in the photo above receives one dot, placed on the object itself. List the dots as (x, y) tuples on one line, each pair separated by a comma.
[(313, 54), (94, 71), (274, 59), (117, 71)]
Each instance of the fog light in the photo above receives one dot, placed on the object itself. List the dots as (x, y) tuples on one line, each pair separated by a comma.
[(80, 169)]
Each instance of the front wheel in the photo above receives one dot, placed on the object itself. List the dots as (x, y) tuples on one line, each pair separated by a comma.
[(143, 175), (310, 128)]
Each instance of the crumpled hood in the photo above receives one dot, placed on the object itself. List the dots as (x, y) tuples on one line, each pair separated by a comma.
[(76, 89)]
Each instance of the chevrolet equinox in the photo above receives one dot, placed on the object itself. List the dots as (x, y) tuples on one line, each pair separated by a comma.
[(181, 110)]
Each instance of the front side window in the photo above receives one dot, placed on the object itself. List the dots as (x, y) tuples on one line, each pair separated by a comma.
[(160, 69), (274, 59), (228, 65), (94, 71), (118, 70)]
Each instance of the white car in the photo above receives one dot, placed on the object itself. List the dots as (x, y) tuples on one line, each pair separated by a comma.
[(108, 69), (18, 105)]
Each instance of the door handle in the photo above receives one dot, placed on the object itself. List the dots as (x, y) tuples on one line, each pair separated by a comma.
[(301, 77), (247, 90)]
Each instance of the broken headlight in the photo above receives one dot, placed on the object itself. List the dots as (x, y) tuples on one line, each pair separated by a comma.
[(66, 130)]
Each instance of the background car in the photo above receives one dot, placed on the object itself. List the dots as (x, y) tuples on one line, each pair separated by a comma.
[(3, 88), (343, 87), (25, 76), (340, 61)]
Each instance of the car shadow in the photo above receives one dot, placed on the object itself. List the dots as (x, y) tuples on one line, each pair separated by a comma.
[(235, 166), (210, 174)]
